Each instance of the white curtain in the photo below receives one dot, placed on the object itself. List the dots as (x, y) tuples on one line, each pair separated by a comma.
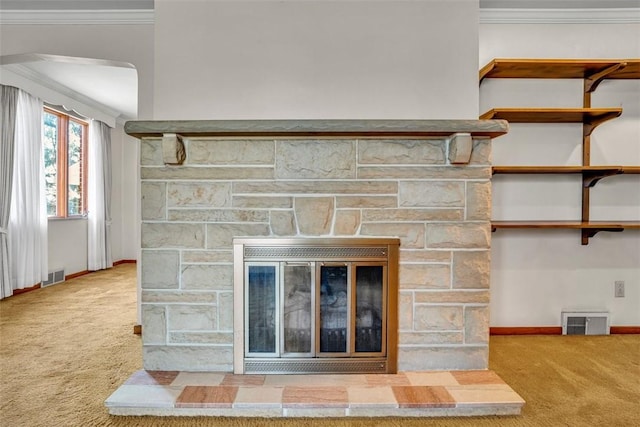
[(99, 197), (8, 106), (27, 231)]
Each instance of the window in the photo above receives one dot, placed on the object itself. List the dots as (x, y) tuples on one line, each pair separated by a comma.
[(65, 143)]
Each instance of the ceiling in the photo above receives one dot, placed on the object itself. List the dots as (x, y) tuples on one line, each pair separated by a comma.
[(115, 86)]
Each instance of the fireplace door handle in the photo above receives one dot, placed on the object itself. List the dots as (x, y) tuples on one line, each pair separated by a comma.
[(297, 263)]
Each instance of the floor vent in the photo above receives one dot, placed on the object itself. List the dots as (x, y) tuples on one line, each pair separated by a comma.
[(53, 278), (585, 323)]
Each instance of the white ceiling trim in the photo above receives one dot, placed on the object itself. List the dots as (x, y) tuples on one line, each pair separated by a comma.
[(560, 16), (487, 16), (88, 17)]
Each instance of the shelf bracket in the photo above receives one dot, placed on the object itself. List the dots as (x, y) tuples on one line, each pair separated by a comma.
[(594, 122), (592, 82), (460, 148), (591, 178), (588, 233), (173, 152)]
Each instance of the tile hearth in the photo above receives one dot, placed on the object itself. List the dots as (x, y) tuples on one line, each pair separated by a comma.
[(416, 393)]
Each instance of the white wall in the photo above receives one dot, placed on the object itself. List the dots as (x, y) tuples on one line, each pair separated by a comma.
[(316, 59), (127, 43), (538, 273)]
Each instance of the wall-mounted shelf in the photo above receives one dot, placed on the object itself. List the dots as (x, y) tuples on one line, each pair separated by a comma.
[(592, 72), (590, 174), (589, 229)]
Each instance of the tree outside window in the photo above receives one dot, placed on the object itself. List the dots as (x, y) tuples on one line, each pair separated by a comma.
[(65, 141)]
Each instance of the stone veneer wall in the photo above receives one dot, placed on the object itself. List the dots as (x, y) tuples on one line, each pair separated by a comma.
[(315, 187)]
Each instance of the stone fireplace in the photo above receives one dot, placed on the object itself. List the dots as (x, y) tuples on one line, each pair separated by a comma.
[(208, 184)]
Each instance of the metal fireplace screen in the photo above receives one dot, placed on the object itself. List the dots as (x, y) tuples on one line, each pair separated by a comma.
[(316, 305)]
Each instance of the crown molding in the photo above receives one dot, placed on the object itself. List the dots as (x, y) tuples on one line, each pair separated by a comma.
[(560, 16), (487, 16), (86, 17)]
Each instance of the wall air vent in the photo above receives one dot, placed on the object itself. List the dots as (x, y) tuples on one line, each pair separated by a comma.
[(585, 323), (53, 278)]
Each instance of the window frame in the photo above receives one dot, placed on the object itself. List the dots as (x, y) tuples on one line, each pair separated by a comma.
[(62, 163)]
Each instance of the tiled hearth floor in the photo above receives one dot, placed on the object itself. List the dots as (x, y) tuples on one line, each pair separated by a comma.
[(422, 394)]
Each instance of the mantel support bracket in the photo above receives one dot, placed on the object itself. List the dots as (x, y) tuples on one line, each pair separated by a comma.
[(460, 148), (173, 151)]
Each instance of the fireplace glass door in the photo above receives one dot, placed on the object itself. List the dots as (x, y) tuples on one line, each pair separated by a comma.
[(315, 309)]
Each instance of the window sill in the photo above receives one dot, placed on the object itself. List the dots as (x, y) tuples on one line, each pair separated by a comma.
[(68, 218)]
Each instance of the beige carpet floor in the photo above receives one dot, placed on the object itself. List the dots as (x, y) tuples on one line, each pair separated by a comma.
[(64, 349)]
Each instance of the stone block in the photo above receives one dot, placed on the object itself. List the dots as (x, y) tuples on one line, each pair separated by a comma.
[(154, 324), (231, 152), (314, 215), (199, 194), (283, 223), (252, 202), (192, 317), (328, 187), (405, 310), (220, 236), (160, 269), (207, 256), (416, 255), (412, 235), (206, 173), (347, 222), (188, 358), (481, 154), (172, 235), (467, 235), (421, 338), (439, 194), (151, 152), (201, 338), (479, 201), (424, 172), (446, 296), (416, 214), (218, 215), (438, 318), (476, 324), (425, 358), (210, 277), (365, 202), (154, 200), (168, 297), (423, 276), (393, 151), (225, 311), (315, 159), (471, 269)]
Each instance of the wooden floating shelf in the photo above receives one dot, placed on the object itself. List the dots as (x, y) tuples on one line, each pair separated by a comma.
[(591, 174), (561, 69), (592, 116), (587, 229), (592, 225)]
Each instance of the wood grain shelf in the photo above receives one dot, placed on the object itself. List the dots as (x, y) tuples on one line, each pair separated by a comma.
[(561, 69), (591, 174), (592, 72), (588, 116), (593, 225), (587, 229)]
